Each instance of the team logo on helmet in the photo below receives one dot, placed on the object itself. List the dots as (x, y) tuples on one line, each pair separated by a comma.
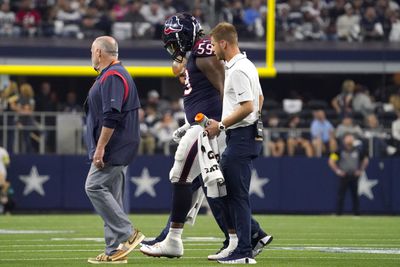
[(173, 25)]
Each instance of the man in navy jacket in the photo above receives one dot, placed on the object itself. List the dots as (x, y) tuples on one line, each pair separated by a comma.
[(112, 139)]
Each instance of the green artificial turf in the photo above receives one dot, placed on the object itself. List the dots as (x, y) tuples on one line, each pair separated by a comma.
[(68, 240)]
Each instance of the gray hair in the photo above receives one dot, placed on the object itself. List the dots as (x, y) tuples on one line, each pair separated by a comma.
[(108, 45)]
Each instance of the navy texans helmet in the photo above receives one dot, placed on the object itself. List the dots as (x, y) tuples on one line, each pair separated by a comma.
[(180, 34)]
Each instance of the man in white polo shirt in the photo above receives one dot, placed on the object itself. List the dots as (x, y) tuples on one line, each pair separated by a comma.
[(241, 106)]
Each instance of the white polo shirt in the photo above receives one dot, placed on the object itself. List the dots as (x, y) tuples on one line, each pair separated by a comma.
[(241, 84)]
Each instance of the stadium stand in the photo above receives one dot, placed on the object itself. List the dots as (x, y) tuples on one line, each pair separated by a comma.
[(340, 20), (360, 31)]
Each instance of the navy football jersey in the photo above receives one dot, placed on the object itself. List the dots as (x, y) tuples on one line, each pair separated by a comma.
[(200, 95)]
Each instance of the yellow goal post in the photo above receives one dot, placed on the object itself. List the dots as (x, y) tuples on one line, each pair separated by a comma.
[(146, 71)]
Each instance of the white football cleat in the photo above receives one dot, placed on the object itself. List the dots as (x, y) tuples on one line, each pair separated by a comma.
[(170, 248), (223, 253)]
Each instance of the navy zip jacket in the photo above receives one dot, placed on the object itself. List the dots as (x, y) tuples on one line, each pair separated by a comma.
[(113, 102)]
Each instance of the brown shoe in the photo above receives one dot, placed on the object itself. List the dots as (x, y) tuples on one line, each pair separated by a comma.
[(105, 259), (126, 247)]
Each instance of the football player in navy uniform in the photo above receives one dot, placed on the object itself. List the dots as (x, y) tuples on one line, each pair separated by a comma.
[(204, 74)]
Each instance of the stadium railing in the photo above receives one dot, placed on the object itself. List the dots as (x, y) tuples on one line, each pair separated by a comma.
[(63, 133)]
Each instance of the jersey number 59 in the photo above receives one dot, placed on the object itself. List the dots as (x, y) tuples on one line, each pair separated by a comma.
[(204, 48)]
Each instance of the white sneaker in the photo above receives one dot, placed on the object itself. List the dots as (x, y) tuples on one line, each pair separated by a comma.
[(223, 253), (170, 248), (263, 242), (237, 259)]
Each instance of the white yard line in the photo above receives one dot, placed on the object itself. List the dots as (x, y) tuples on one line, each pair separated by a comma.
[(365, 250), (204, 258), (51, 245)]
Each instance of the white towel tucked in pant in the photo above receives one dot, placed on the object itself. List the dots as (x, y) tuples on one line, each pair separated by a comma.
[(208, 154)]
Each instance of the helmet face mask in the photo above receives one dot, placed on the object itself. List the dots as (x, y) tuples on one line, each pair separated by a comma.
[(179, 35), (175, 52)]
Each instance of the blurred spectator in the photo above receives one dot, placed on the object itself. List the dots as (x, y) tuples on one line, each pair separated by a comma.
[(336, 10), (140, 27), (322, 134), (95, 22), (358, 7), (295, 19), (153, 98), (390, 93), (347, 25), (45, 102), (7, 20), (342, 103), (199, 15), (48, 19), (25, 121), (151, 116), (362, 102), (28, 18), (6, 192), (297, 141), (394, 35), (394, 92), (294, 102), (252, 19), (167, 8), (153, 14), (71, 104), (371, 27), (147, 141), (4, 162), (67, 20), (163, 131), (9, 96), (178, 112), (282, 23), (312, 27), (276, 145), (348, 127), (43, 99), (376, 137), (396, 133), (119, 10), (181, 5), (237, 15), (381, 6), (7, 202)]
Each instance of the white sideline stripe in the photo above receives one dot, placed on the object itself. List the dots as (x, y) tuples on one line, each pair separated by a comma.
[(340, 239), (205, 258), (277, 246), (79, 250), (392, 251), (18, 232), (49, 250), (201, 239), (53, 245), (366, 250), (376, 245)]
